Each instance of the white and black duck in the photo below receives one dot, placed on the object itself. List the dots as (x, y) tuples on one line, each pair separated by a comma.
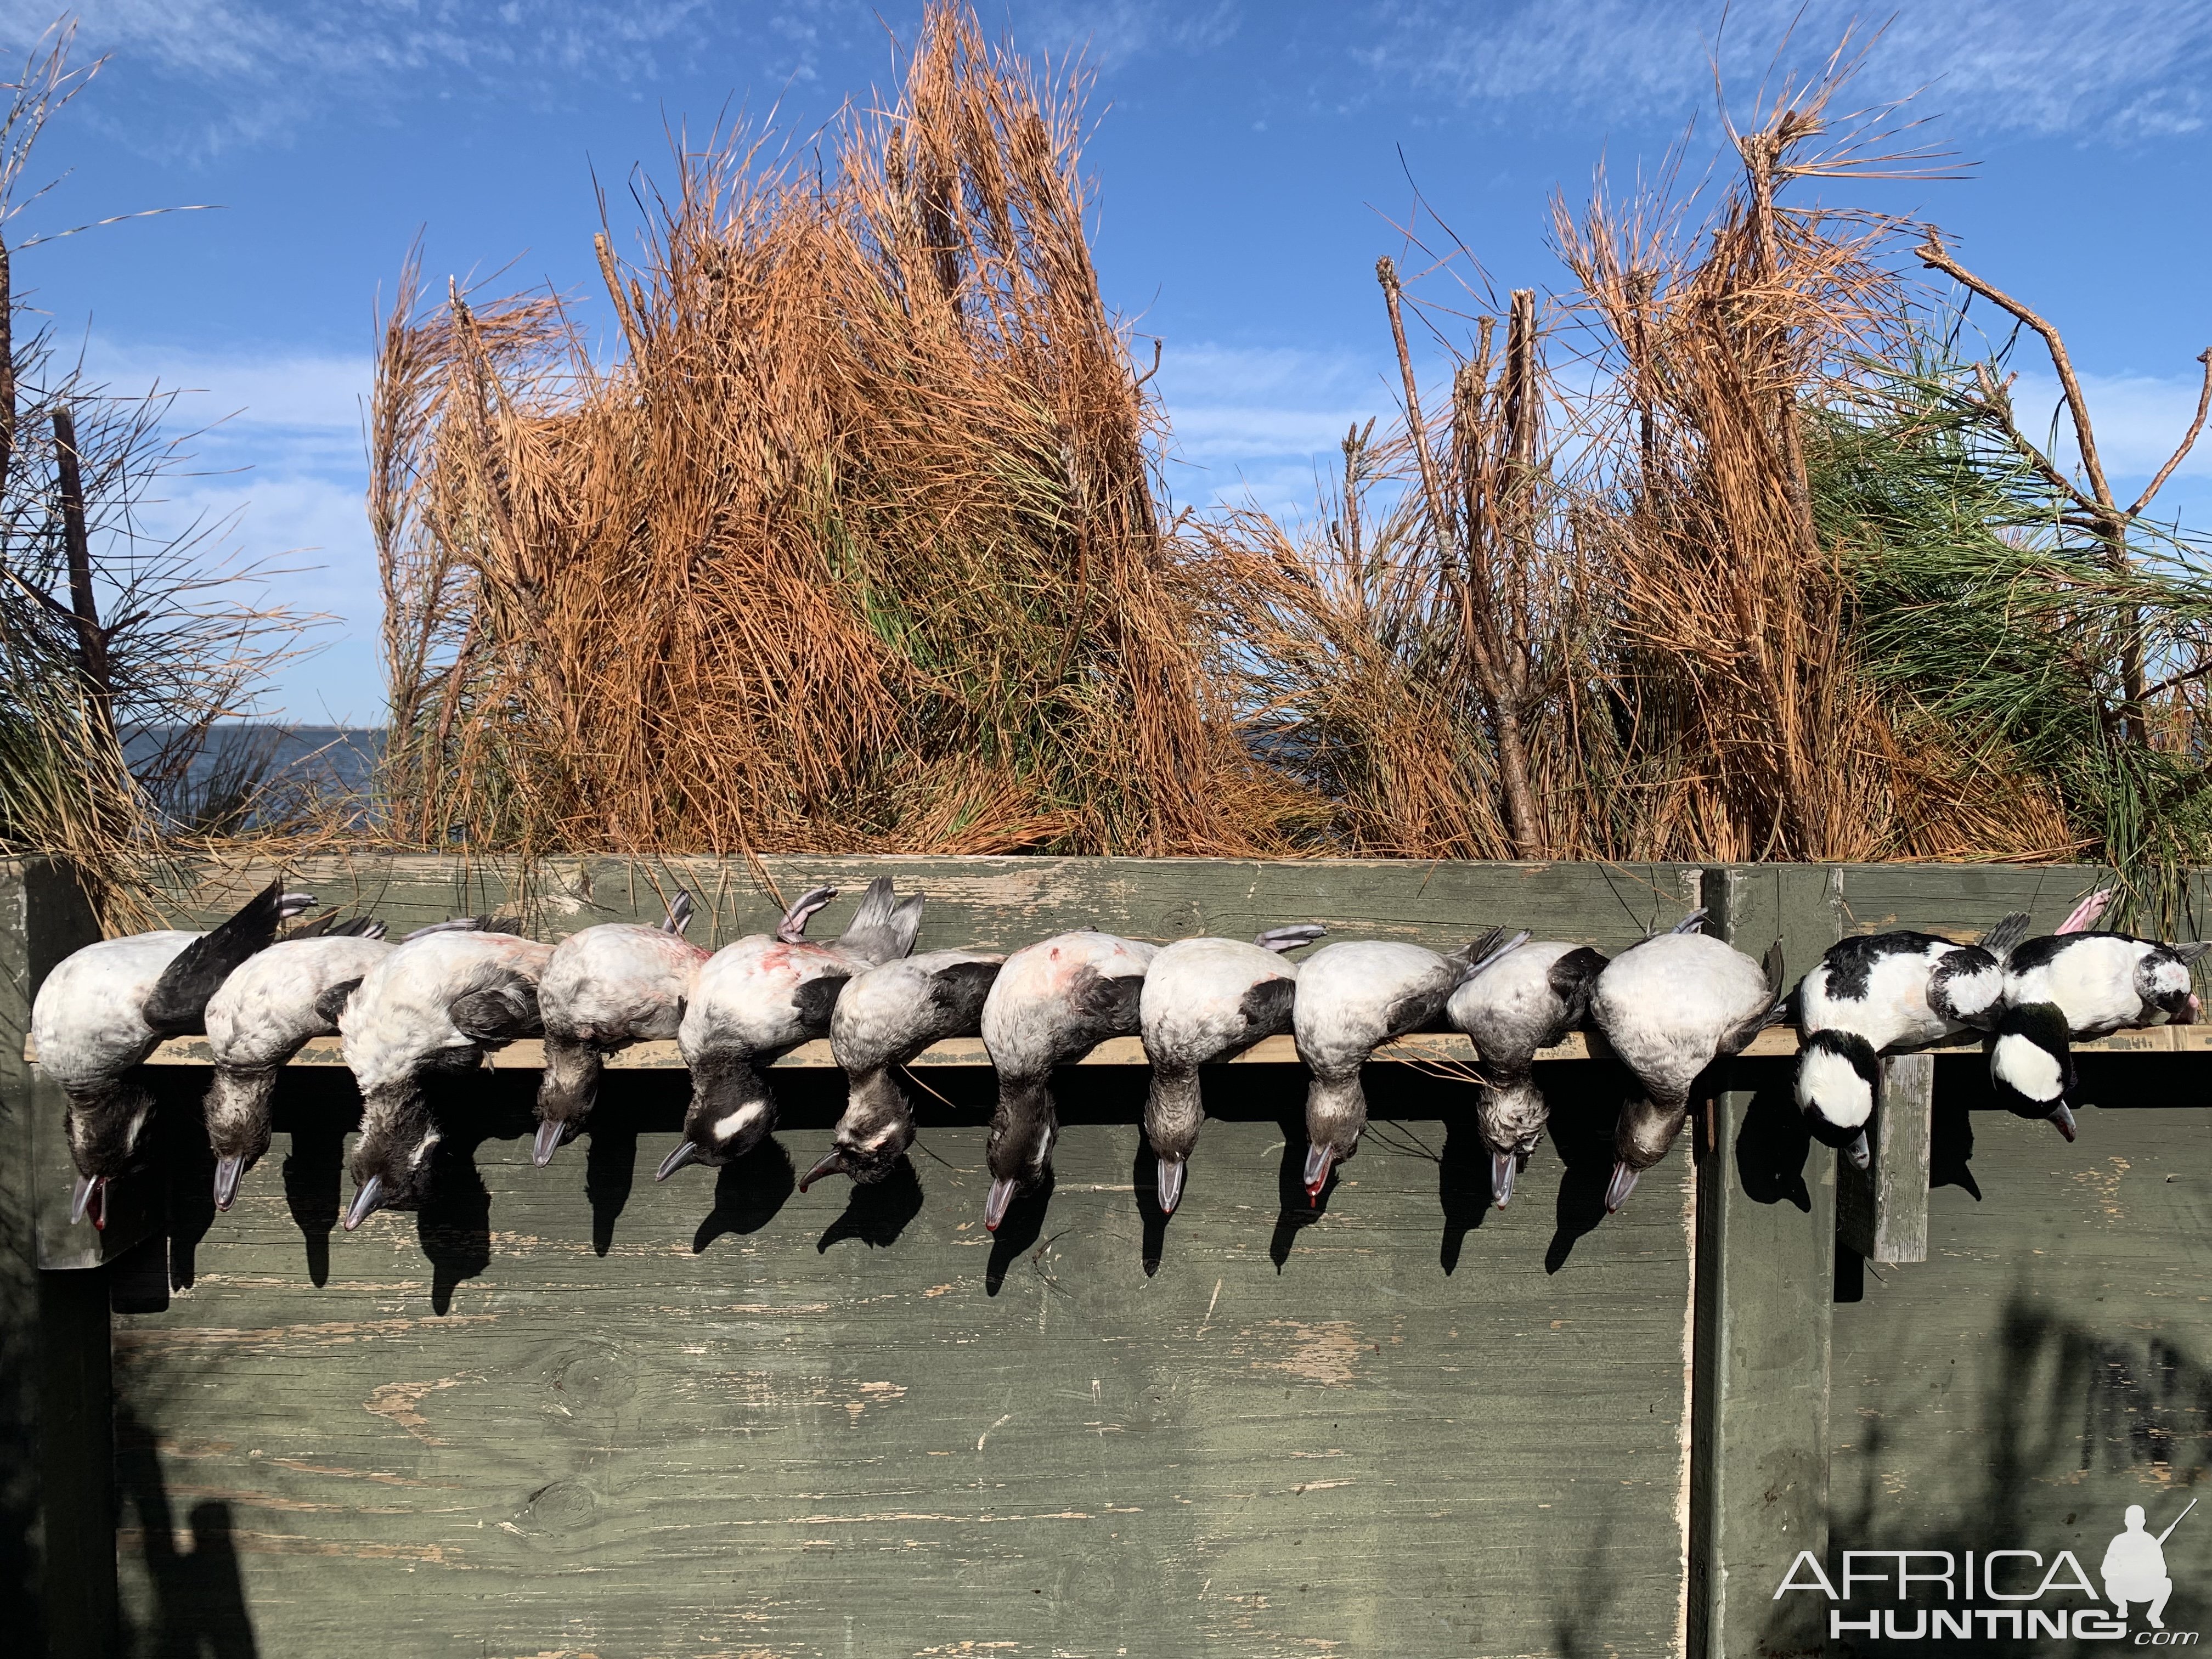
[(763, 994), (262, 1016), (1351, 999), (2065, 987), (1886, 994), (435, 1004), (1669, 1007), (605, 989), (886, 1016), (105, 1008), (1206, 1001), (1052, 1003), (1528, 999)]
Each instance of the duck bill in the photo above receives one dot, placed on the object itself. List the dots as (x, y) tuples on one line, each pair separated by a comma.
[(1319, 1160), (994, 1204), (1861, 1154), (833, 1164), (365, 1202), (2062, 1119), (686, 1153), (1618, 1189), (1170, 1175), (228, 1172), (546, 1142), (1503, 1166), (88, 1200)]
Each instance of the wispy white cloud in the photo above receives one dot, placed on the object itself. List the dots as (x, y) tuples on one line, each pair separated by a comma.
[(1258, 425), (2139, 420), (2111, 68)]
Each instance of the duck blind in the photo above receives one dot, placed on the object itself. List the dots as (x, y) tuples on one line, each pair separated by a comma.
[(573, 1411)]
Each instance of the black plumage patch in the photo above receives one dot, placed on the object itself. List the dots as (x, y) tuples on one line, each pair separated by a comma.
[(1265, 1007), (331, 1003), (958, 992), (1108, 1007), (496, 1016), (177, 1006), (1573, 978), (814, 1001), (1850, 962)]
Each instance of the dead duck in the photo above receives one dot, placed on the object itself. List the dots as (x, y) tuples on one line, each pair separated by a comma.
[(105, 1008), (763, 994), (1351, 999), (1528, 999), (2062, 989), (1052, 1003), (1206, 1001), (1882, 994), (605, 989), (261, 1017), (435, 1004), (1669, 1007), (886, 1016)]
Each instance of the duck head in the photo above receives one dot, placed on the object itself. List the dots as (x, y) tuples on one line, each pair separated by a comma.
[(873, 1134), (392, 1157), (1022, 1130), (1838, 1080), (1174, 1113), (566, 1091), (238, 1126), (1646, 1130), (1336, 1116), (105, 1128), (2031, 1065), (2162, 980), (732, 1112), (1510, 1115)]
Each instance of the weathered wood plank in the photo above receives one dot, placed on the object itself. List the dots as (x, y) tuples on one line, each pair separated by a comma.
[(2051, 1363), (1765, 1260), (732, 1418), (1881, 1211), (57, 1563)]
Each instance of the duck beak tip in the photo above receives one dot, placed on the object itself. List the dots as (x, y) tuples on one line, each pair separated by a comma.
[(2062, 1119), (228, 1172), (996, 1205), (833, 1164), (1618, 1189), (1861, 1155), (546, 1143), (365, 1202), (1503, 1166), (688, 1152), (1171, 1184)]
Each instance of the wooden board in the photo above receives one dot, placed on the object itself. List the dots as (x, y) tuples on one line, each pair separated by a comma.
[(2051, 1363), (1881, 1211), (733, 1420)]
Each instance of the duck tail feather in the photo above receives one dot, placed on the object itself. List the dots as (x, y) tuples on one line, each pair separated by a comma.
[(2002, 940)]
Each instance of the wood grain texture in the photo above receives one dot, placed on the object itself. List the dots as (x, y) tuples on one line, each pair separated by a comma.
[(2051, 1363), (733, 1420), (1881, 1211)]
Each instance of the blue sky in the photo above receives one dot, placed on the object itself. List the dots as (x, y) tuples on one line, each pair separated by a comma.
[(1249, 164)]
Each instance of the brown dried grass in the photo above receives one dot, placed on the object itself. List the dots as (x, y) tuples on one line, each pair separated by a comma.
[(853, 544)]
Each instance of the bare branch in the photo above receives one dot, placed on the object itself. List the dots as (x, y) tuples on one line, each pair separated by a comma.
[(2188, 443), (1932, 255)]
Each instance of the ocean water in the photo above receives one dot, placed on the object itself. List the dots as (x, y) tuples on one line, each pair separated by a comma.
[(289, 763)]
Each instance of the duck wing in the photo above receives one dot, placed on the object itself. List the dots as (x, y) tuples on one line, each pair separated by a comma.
[(882, 929), (499, 1014), (177, 1006), (1573, 978)]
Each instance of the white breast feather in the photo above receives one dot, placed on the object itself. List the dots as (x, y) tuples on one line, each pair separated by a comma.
[(86, 1019), (265, 1009), (398, 1018), (1832, 1084), (2028, 1067), (1192, 1002)]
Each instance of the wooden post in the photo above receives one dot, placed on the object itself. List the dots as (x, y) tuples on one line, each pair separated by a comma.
[(1766, 1266), (1881, 1211), (56, 1509)]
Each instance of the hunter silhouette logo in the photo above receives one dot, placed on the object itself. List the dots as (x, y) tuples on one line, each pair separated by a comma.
[(2135, 1567), (2018, 1594)]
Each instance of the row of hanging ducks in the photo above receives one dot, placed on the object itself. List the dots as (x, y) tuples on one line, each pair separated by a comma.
[(439, 1001)]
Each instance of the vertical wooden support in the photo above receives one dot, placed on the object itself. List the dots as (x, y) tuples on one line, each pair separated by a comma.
[(56, 1451), (1765, 1264), (1881, 1211)]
